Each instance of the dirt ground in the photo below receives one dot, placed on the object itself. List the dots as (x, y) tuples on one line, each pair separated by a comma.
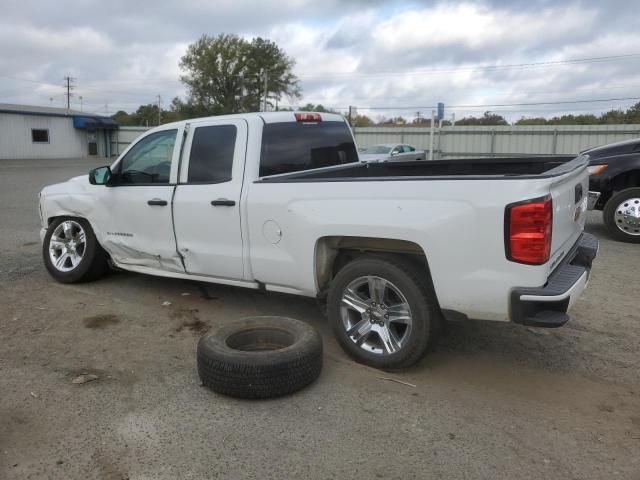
[(492, 401)]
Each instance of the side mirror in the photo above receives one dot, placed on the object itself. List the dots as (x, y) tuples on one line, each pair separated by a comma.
[(99, 176), (394, 153)]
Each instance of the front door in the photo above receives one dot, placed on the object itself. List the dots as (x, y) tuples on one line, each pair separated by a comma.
[(135, 215), (207, 200)]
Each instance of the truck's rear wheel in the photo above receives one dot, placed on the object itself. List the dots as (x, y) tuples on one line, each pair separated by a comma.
[(382, 311), (71, 252), (622, 215)]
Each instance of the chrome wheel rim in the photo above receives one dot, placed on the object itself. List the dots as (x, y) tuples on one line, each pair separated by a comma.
[(376, 315), (627, 216), (67, 246)]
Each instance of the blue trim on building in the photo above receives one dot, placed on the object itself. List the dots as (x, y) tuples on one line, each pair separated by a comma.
[(86, 122)]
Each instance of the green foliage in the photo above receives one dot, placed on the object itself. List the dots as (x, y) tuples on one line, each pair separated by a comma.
[(147, 116), (362, 121), (223, 75), (310, 107), (487, 119), (392, 121), (629, 116), (421, 121)]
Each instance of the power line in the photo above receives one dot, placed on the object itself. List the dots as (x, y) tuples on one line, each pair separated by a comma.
[(524, 104), (479, 67)]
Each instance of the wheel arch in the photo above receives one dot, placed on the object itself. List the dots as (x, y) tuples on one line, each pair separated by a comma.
[(622, 181), (52, 218), (334, 252)]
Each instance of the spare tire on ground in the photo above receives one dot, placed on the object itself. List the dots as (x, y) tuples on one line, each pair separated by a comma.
[(260, 357)]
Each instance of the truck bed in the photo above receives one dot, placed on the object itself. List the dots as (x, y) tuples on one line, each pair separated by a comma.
[(481, 168)]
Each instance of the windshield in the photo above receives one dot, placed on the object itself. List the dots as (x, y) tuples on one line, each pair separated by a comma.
[(377, 150)]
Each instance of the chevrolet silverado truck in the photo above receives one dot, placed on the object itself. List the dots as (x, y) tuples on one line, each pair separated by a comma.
[(614, 187), (279, 202)]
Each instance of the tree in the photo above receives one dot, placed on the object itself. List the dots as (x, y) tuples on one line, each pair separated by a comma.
[(488, 119), (362, 121), (225, 74), (123, 118), (392, 121), (532, 121), (310, 107)]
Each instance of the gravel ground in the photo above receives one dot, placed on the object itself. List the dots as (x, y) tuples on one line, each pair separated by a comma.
[(492, 401)]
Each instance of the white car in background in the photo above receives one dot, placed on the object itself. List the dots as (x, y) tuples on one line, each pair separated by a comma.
[(391, 152)]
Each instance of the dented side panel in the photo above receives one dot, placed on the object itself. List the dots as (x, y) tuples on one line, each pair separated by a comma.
[(131, 230)]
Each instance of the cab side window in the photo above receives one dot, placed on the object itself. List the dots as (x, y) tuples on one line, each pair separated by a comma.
[(408, 149), (211, 159), (149, 160)]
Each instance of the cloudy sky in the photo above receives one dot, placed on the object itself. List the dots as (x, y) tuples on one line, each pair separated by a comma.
[(399, 57)]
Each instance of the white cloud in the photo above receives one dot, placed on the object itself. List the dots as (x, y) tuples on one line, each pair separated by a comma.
[(363, 53), (477, 26)]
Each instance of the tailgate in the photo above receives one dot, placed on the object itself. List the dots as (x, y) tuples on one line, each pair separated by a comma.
[(569, 193)]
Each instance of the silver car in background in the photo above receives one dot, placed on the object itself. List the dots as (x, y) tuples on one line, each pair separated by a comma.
[(387, 152)]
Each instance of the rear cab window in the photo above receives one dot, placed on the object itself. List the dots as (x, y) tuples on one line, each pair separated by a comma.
[(296, 146)]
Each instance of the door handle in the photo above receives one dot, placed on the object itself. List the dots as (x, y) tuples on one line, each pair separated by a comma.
[(223, 202), (157, 201)]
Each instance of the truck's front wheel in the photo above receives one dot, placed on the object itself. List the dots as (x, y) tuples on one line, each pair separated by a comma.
[(621, 215), (71, 252), (382, 312)]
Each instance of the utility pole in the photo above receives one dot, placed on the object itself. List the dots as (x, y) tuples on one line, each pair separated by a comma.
[(159, 109), (265, 79), (418, 115), (80, 97), (69, 87), (433, 126)]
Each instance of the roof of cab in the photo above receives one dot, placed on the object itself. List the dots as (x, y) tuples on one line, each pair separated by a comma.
[(267, 117)]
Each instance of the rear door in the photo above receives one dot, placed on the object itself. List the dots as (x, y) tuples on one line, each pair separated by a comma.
[(206, 206)]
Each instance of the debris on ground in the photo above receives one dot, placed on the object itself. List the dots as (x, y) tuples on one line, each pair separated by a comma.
[(185, 294), (34, 395), (101, 321), (539, 331), (397, 381), (84, 378), (166, 304)]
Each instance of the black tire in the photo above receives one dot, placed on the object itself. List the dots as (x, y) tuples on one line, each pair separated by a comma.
[(94, 263), (609, 214), (413, 283), (260, 357)]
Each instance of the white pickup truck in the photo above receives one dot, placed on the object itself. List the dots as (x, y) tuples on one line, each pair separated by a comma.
[(279, 202)]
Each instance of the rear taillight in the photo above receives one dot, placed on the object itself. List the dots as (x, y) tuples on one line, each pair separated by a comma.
[(528, 228), (308, 117)]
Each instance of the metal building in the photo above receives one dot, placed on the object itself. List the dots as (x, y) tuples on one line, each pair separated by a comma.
[(48, 132)]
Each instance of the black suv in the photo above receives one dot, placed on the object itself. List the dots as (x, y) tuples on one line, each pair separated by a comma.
[(614, 187)]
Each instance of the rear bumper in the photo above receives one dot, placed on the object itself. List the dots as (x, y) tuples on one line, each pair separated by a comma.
[(547, 306)]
